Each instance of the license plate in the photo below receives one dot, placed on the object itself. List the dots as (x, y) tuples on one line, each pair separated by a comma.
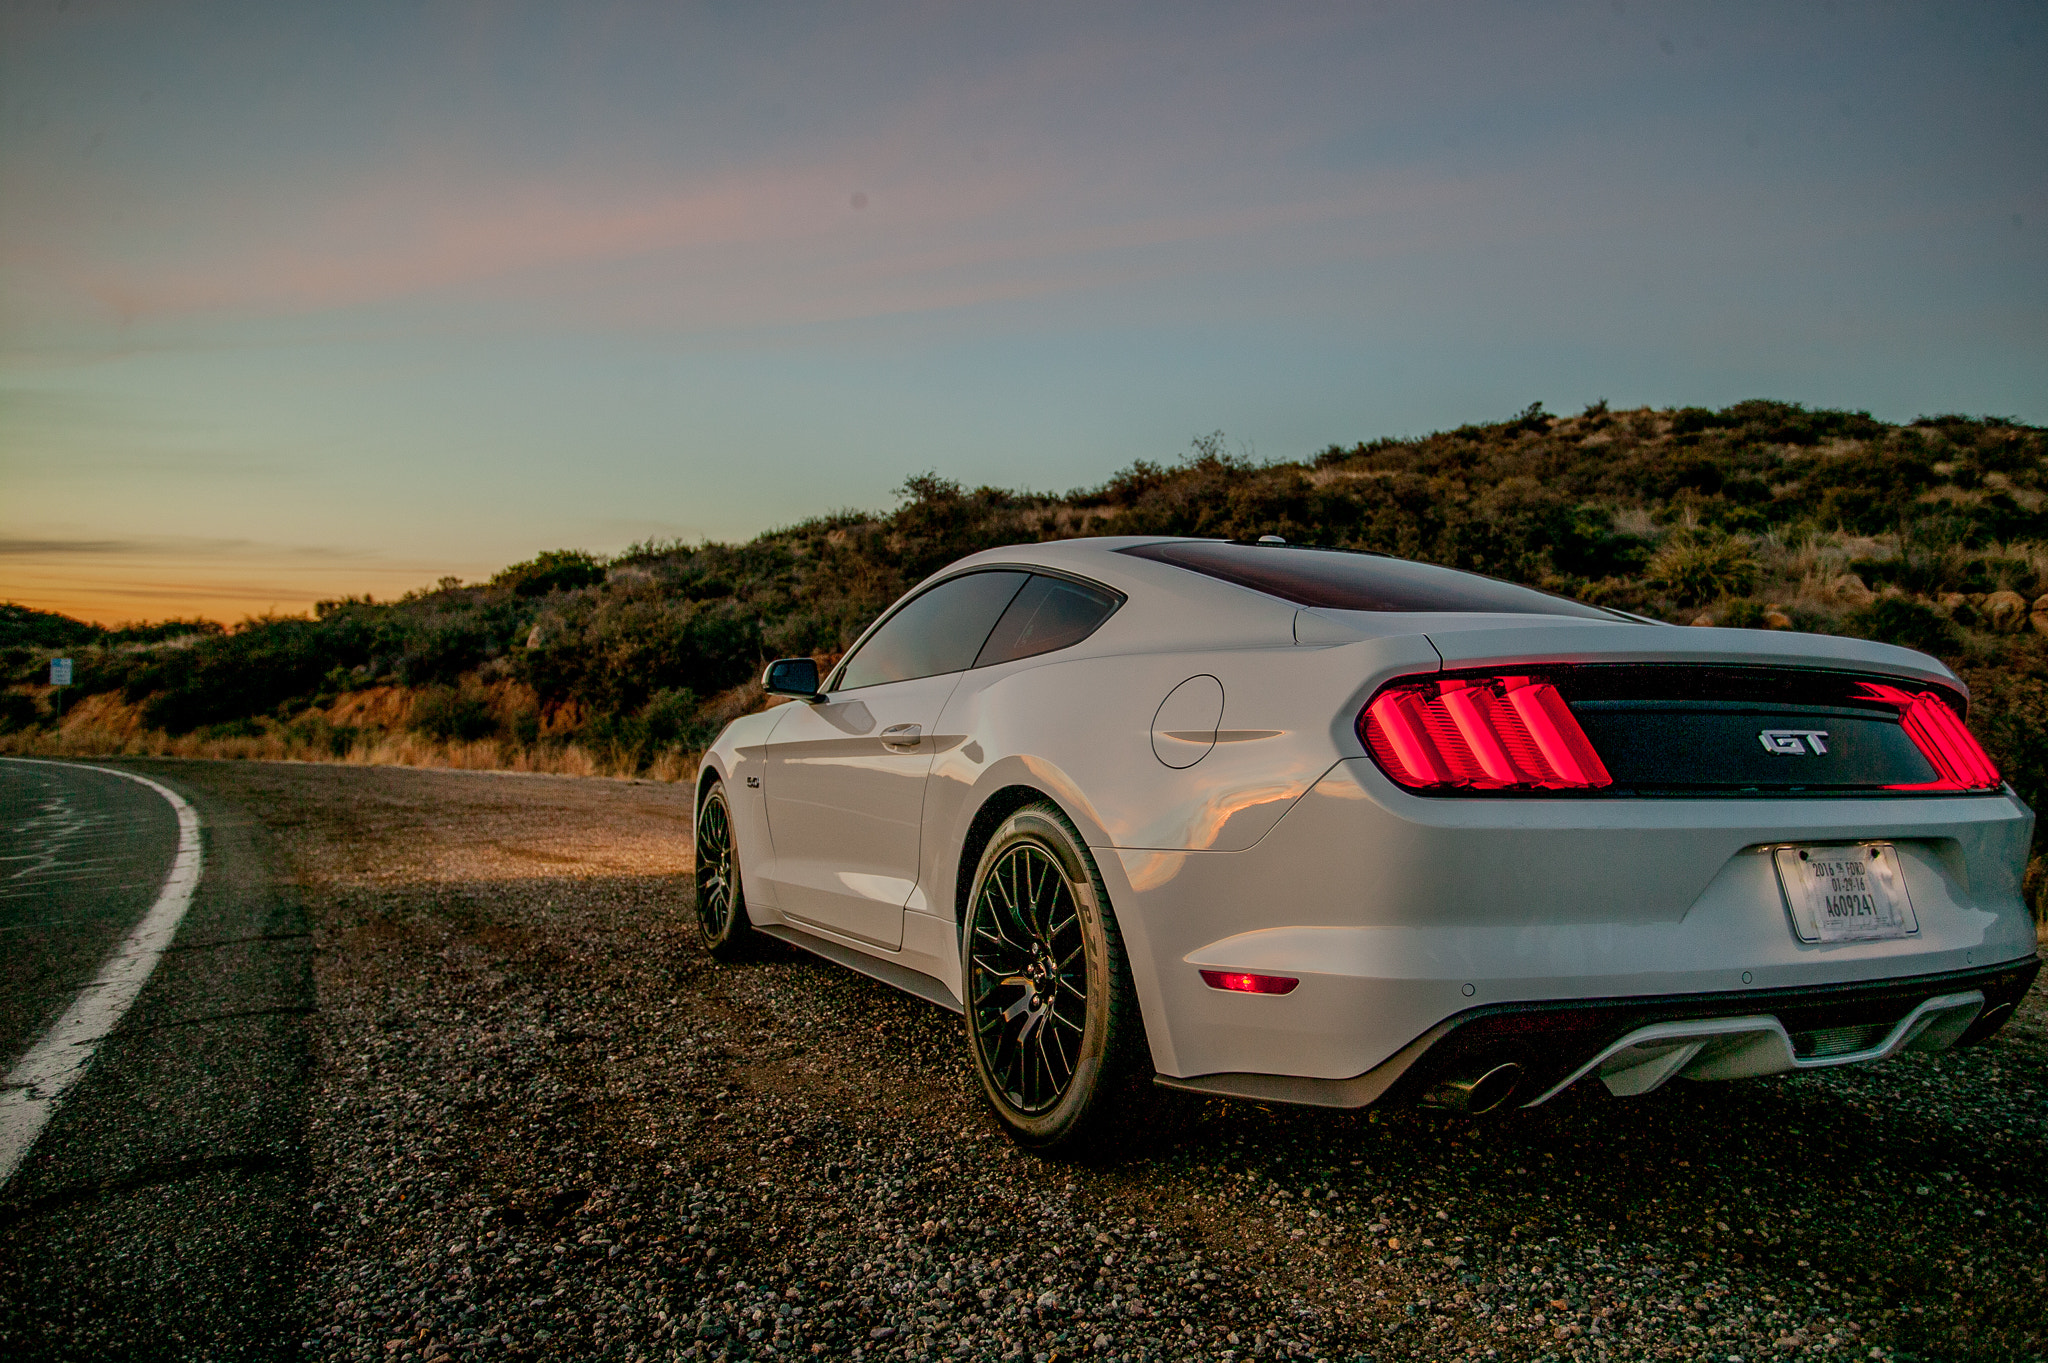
[(1846, 894)]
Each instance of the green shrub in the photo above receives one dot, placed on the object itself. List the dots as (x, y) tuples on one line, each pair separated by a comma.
[(1588, 545), (163, 630), (621, 739), (1693, 420), (1788, 423), (1907, 623), (249, 671), (1531, 420), (671, 721), (451, 715), (1999, 518), (616, 653), (1697, 570), (321, 734), (30, 628), (555, 570), (18, 711), (1743, 614), (525, 726)]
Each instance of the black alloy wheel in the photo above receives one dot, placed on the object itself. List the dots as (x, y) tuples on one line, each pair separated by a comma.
[(721, 904), (1051, 1020)]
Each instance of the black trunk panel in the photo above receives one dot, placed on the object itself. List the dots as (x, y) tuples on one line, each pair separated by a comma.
[(1723, 745)]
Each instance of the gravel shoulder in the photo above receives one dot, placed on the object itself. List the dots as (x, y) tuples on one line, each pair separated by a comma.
[(542, 1124)]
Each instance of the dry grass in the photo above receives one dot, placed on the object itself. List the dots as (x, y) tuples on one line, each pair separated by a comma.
[(106, 726)]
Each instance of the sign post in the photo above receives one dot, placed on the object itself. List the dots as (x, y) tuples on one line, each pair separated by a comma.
[(60, 677)]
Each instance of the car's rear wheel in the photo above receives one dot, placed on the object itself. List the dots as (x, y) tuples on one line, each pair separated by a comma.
[(721, 901), (1052, 1023)]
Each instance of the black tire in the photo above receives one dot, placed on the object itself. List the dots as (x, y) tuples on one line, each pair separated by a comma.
[(1052, 1021), (721, 900)]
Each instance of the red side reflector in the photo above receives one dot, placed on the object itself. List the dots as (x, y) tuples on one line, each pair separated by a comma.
[(1248, 984), (1484, 733), (1959, 761)]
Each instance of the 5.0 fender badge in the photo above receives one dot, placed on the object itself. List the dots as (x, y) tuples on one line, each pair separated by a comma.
[(1794, 741)]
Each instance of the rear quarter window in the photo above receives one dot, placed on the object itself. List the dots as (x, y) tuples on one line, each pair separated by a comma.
[(1050, 613)]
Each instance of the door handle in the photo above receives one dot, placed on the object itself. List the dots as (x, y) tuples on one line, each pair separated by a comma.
[(902, 735)]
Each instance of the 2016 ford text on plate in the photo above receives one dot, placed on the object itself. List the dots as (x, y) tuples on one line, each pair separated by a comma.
[(1333, 828)]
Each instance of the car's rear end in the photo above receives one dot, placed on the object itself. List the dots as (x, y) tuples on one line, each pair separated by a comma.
[(1577, 850)]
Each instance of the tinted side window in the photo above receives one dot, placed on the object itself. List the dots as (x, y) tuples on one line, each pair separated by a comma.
[(1341, 580), (1049, 613), (937, 632)]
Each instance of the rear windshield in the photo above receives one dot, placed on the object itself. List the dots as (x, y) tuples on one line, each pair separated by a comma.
[(1338, 579)]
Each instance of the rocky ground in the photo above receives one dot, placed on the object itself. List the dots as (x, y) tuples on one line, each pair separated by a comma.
[(544, 1125)]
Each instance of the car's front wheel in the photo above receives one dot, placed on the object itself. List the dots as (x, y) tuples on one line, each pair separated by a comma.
[(721, 902), (1051, 1019)]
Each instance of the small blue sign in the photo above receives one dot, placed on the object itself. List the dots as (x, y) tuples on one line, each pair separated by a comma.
[(60, 672)]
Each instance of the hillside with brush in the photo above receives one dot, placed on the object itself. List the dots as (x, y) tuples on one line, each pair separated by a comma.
[(1763, 515)]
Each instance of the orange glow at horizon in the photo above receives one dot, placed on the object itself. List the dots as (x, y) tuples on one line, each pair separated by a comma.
[(117, 589)]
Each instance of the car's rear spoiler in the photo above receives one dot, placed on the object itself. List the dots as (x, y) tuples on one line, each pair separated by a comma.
[(1590, 643), (1512, 641)]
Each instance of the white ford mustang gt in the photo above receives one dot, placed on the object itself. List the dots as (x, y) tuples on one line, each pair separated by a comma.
[(1321, 827)]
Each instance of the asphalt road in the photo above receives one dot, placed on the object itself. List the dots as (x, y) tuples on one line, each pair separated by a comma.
[(160, 1213), (530, 1119), (82, 854)]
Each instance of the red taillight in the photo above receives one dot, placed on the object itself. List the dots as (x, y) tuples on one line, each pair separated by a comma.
[(1957, 758), (1480, 733), (1248, 984)]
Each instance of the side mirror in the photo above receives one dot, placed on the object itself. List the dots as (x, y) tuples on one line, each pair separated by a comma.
[(792, 677)]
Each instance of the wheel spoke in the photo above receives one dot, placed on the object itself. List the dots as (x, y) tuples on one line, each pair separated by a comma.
[(1008, 884), (996, 968), (1060, 1049), (999, 943), (1001, 902), (1069, 1006), (1041, 1078), (714, 869), (1027, 981), (1020, 864), (1014, 1051), (1021, 899), (995, 936), (1040, 900)]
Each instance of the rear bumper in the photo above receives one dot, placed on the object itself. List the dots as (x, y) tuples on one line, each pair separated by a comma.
[(1399, 913), (1560, 1043), (1635, 1044)]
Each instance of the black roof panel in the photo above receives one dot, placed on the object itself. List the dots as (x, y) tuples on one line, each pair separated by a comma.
[(1339, 579)]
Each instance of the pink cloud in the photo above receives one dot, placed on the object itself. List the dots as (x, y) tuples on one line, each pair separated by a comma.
[(968, 196)]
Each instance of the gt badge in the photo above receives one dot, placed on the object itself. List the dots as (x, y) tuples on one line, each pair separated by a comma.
[(1794, 741)]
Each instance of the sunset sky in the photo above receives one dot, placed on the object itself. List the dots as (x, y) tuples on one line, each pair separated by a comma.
[(300, 301)]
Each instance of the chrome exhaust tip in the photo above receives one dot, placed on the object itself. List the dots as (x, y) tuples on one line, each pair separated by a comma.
[(1481, 1089), (1989, 1021)]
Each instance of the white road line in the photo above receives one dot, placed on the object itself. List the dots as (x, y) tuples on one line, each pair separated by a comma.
[(39, 1080)]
